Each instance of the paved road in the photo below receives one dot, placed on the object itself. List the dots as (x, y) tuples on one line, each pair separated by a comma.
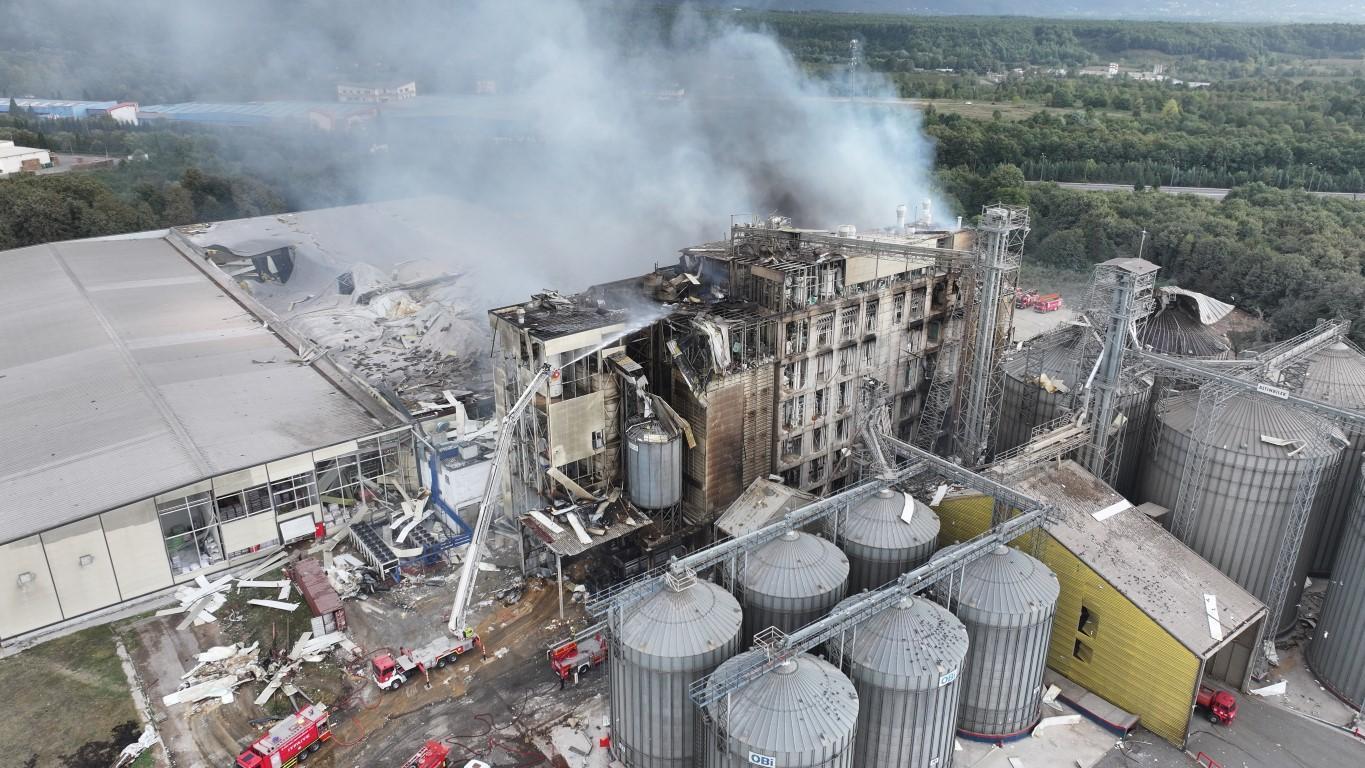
[(1215, 193), (1263, 736)]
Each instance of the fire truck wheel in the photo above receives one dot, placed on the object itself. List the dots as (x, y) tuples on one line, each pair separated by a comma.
[(441, 664), (1213, 719), (315, 746), (302, 756)]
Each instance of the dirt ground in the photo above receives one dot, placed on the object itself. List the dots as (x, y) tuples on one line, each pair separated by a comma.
[(486, 708)]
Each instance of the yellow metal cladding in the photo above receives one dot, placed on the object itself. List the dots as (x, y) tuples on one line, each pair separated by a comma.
[(1100, 640)]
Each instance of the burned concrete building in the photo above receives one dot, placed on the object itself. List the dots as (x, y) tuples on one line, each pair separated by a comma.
[(673, 391)]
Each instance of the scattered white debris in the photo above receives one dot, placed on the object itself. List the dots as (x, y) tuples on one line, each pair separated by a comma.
[(543, 519), (500, 652), (1276, 689), (244, 584), (939, 493), (143, 743), (1016, 762), (1211, 608), (1054, 721), (1050, 697), (487, 567), (277, 605), (1111, 510)]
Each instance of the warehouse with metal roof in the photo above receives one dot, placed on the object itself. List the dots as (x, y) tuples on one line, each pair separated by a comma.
[(153, 429), (1142, 620)]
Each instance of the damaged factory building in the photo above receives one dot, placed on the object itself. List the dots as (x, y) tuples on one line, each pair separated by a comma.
[(671, 393)]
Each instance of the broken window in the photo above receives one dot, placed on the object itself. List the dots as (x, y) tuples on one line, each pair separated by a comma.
[(817, 439), (898, 309), (293, 493), (908, 381), (870, 317), (823, 366), (933, 332), (916, 304), (1082, 651), (815, 472), (1089, 623), (797, 336), (791, 447), (846, 360), (824, 330), (792, 477), (818, 410), (842, 401), (869, 354), (907, 406), (841, 430), (848, 323), (190, 527), (250, 501)]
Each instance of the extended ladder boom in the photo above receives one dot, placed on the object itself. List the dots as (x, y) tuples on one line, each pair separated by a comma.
[(470, 567)]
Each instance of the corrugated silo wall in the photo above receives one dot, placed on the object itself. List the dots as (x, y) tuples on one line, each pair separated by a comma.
[(1337, 653), (1134, 663), (1023, 406), (1334, 508)]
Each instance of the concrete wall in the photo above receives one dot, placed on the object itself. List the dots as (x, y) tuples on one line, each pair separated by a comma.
[(133, 536), (28, 599)]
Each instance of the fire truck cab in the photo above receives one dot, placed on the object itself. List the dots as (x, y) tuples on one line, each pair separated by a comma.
[(289, 741), (390, 672), (1220, 705), (578, 656), (433, 754)]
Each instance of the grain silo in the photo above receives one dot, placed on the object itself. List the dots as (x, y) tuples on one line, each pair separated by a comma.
[(1336, 654), (1336, 375), (880, 544), (790, 582), (800, 714), (1175, 331), (1006, 600), (906, 663), (1259, 452), (664, 644), (1045, 380)]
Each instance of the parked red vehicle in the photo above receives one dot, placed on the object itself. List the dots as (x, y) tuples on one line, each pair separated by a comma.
[(1049, 303), (1220, 705), (389, 672), (433, 754), (576, 657), (290, 741)]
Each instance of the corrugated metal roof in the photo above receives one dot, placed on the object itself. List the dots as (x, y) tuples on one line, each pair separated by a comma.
[(1151, 568), (1245, 419), (1007, 588), (1207, 309), (795, 565), (1336, 375), (761, 503), (125, 372), (1174, 331), (913, 645), (876, 522), (804, 707), (679, 623)]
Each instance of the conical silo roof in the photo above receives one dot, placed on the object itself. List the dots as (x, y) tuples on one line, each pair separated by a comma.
[(796, 565), (1174, 331), (679, 623), (1336, 375), (1058, 361), (1006, 586), (1245, 420), (804, 706), (876, 522), (913, 645)]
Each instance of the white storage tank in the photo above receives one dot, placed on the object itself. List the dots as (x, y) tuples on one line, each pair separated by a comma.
[(665, 643), (1336, 375), (1337, 654), (653, 466), (800, 715), (906, 663)]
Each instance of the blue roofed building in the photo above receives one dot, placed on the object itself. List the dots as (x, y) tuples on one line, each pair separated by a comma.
[(58, 109), (325, 115)]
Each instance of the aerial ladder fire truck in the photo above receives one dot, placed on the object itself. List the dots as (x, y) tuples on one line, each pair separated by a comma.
[(390, 671)]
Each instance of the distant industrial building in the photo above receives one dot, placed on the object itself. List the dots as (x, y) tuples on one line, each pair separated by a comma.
[(327, 116), (376, 93), (1133, 623), (120, 111), (16, 159)]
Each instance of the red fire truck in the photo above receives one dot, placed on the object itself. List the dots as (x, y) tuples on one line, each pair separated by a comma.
[(1049, 303), (1024, 299), (389, 672), (1220, 705), (433, 754), (289, 741), (578, 655)]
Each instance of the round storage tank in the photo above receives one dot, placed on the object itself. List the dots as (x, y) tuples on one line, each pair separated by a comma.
[(1026, 404), (1006, 600), (653, 466), (790, 582), (1174, 331), (800, 715), (1336, 654), (906, 663), (879, 544), (1336, 375), (664, 644), (1249, 483)]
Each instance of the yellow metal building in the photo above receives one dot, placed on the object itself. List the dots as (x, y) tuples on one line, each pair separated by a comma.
[(1132, 625)]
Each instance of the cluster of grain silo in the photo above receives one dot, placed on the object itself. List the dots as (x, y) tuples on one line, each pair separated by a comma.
[(1337, 654), (906, 663), (1006, 600), (664, 644), (1259, 451), (1336, 375), (802, 713), (790, 582), (880, 544)]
